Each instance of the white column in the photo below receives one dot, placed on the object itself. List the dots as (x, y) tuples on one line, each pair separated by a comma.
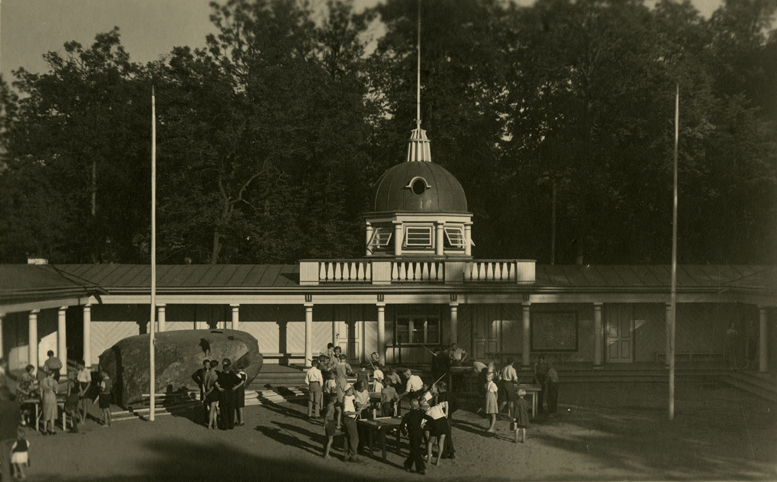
[(398, 239), (235, 317), (763, 350), (62, 339), (440, 240), (382, 332), (454, 322), (526, 352), (668, 334), (597, 335), (308, 333), (160, 318), (468, 239), (370, 231), (88, 336), (32, 346)]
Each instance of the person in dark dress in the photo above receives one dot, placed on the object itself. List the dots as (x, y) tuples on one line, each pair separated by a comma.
[(240, 394), (541, 379), (227, 385)]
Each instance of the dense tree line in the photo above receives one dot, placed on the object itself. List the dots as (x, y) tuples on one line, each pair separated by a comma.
[(271, 138)]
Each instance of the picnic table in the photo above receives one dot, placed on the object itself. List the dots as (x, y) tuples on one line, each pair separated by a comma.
[(37, 403), (378, 428)]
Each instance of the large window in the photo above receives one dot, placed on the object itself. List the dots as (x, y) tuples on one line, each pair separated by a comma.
[(418, 329)]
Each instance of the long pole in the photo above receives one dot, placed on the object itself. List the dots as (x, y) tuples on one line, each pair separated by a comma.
[(152, 324), (418, 73), (673, 309)]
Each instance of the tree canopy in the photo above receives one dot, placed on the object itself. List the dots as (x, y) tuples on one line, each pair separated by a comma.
[(271, 138)]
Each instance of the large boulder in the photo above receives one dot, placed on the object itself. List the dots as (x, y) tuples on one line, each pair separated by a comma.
[(178, 356)]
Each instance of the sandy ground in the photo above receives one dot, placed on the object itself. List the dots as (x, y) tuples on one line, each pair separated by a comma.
[(603, 432)]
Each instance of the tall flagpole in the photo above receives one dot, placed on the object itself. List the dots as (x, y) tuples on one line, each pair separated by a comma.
[(673, 309), (418, 70), (152, 324)]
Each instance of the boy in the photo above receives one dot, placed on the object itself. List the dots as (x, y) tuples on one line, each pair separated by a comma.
[(105, 398), (52, 365), (84, 379), (330, 425), (411, 427), (389, 401), (351, 444), (377, 377), (521, 420), (71, 402), (314, 381)]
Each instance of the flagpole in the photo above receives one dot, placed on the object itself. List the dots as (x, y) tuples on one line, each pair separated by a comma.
[(152, 324), (673, 309)]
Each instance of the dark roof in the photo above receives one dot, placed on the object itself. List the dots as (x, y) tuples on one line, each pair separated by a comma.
[(128, 276), (445, 194), (35, 283)]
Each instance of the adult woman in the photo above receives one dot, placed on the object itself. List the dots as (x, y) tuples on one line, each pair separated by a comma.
[(227, 384), (48, 392)]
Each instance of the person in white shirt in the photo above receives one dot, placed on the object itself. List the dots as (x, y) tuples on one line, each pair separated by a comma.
[(377, 377), (457, 355), (314, 381), (510, 387), (349, 425), (414, 385)]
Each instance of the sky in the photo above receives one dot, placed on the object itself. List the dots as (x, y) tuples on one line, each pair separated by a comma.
[(149, 28)]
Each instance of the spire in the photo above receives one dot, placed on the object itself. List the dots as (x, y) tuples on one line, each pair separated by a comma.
[(418, 147)]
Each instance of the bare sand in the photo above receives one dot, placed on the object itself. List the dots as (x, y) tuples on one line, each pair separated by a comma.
[(602, 432)]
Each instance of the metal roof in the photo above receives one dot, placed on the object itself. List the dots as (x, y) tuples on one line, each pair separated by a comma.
[(444, 195), (34, 283)]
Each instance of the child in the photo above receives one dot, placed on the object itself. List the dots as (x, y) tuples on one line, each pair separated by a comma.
[(438, 428), (71, 402), (19, 454), (377, 376), (350, 426), (389, 400), (84, 381), (411, 426), (522, 416), (330, 425), (492, 407), (105, 398), (447, 398), (363, 375), (314, 381)]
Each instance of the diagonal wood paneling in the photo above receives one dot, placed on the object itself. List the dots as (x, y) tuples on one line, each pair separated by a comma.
[(105, 334)]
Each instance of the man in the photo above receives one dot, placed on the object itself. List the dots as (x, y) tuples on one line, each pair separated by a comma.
[(84, 379), (552, 390), (414, 385), (53, 364), (510, 386), (457, 355), (541, 379), (314, 381), (227, 385)]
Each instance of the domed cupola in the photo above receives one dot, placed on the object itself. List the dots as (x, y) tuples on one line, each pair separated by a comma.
[(422, 205)]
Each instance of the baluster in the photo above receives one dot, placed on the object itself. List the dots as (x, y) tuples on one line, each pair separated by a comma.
[(368, 271), (512, 271), (489, 271), (394, 271), (497, 271), (330, 273), (433, 271), (321, 271), (360, 272), (338, 271), (403, 271)]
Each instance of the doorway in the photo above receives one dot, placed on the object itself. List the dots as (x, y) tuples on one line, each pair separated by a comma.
[(620, 333)]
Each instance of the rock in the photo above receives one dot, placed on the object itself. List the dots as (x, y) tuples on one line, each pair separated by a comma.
[(178, 356)]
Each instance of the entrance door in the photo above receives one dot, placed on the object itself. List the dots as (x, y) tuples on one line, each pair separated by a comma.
[(347, 335), (486, 333), (620, 333)]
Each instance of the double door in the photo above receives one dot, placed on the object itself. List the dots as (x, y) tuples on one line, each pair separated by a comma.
[(619, 320)]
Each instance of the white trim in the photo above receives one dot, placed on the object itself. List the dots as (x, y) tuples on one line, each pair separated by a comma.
[(418, 242)]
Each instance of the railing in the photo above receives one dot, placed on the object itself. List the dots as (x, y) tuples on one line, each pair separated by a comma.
[(385, 271)]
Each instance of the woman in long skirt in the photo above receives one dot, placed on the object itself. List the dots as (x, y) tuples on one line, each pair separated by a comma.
[(48, 389)]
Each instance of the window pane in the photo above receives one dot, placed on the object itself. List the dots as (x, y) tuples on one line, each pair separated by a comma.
[(402, 333), (433, 331), (418, 330), (454, 237), (418, 236)]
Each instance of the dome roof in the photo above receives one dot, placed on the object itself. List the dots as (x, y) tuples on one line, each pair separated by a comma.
[(419, 187)]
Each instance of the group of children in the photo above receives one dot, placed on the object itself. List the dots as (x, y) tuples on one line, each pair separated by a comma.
[(426, 424), (501, 388)]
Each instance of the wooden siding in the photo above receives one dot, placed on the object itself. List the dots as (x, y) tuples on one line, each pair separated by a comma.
[(105, 334)]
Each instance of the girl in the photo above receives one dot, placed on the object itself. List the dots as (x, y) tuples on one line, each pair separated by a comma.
[(19, 456), (492, 407), (48, 389), (212, 394), (522, 416), (241, 396), (105, 398), (71, 402), (438, 428)]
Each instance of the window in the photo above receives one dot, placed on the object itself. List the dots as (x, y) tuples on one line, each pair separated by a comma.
[(381, 237), (418, 329), (418, 236), (418, 185), (454, 237)]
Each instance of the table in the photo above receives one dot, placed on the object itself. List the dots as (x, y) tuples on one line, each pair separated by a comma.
[(380, 427), (37, 403), (534, 392)]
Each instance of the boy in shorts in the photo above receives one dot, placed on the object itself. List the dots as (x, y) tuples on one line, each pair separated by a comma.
[(330, 425), (521, 420)]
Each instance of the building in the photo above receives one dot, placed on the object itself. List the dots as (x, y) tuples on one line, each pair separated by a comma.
[(417, 287)]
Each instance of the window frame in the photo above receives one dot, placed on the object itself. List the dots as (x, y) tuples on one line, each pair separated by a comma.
[(428, 230), (411, 321), (375, 240), (458, 230)]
